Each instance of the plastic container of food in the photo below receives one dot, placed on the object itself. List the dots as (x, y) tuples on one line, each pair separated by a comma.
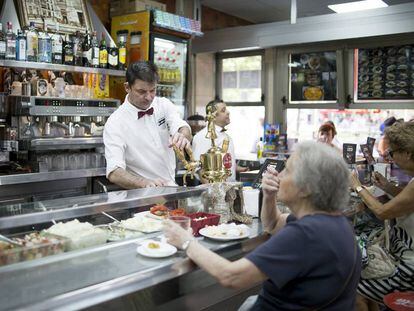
[(115, 233), (33, 246), (200, 220)]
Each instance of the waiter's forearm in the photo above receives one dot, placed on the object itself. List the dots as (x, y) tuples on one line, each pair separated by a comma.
[(126, 180), (186, 132)]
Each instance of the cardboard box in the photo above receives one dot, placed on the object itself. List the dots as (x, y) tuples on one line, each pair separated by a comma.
[(121, 7)]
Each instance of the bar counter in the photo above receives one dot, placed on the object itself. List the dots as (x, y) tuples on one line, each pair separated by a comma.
[(113, 273)]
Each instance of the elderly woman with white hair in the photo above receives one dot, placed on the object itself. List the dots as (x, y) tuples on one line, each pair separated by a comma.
[(312, 260)]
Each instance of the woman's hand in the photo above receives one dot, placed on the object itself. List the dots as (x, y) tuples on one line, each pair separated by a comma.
[(380, 181), (270, 182), (355, 180), (175, 234)]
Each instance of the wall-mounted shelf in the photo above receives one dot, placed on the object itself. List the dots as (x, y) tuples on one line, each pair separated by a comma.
[(58, 67)]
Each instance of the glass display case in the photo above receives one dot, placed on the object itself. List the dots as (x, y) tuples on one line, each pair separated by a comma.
[(384, 74), (110, 273), (313, 77)]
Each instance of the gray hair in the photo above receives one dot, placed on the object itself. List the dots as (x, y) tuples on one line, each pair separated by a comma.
[(321, 170)]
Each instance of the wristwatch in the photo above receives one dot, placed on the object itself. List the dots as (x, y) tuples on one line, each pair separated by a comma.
[(358, 189), (186, 244)]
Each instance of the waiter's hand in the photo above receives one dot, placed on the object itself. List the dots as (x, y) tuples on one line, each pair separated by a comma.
[(180, 141), (154, 183)]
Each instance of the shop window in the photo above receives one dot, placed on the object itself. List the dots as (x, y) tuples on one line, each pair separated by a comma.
[(239, 77), (245, 138), (303, 124)]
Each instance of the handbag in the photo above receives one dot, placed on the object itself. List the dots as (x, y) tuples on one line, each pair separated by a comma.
[(380, 263)]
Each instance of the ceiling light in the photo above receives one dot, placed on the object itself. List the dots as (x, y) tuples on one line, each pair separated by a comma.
[(243, 49), (357, 6)]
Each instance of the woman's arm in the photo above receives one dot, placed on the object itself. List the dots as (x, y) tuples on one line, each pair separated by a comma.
[(238, 274), (272, 219), (400, 205)]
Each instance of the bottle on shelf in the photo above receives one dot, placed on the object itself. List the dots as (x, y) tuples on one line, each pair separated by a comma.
[(135, 47), (95, 50), (57, 47), (10, 42), (103, 53), (77, 49), (2, 43), (87, 50), (68, 55), (259, 148), (21, 46), (113, 56), (45, 46), (32, 39), (122, 54)]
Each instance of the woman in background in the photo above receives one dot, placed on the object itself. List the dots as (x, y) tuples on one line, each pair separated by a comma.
[(400, 140)]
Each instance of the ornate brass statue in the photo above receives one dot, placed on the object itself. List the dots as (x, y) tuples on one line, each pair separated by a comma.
[(215, 164)]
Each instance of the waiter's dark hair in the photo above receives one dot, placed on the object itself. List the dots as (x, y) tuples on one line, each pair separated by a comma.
[(142, 70), (213, 105)]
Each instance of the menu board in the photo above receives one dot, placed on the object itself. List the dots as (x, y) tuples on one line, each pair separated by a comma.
[(386, 73), (313, 77)]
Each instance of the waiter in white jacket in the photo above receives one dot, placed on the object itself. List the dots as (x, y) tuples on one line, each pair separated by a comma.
[(139, 135)]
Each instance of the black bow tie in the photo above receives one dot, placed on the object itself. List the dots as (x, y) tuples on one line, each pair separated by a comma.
[(143, 113), (223, 130)]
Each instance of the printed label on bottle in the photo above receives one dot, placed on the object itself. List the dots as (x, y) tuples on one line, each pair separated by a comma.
[(122, 55), (31, 47), (103, 57), (95, 60), (88, 54), (68, 58), (57, 46), (113, 60), (2, 47), (22, 50)]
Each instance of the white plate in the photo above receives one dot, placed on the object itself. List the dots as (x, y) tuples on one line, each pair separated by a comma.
[(149, 215), (167, 250), (204, 232)]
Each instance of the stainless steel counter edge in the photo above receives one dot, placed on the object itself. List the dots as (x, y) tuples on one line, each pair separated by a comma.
[(105, 291), (48, 176), (65, 208)]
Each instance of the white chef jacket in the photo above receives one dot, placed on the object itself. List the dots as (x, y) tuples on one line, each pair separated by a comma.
[(140, 146), (201, 144)]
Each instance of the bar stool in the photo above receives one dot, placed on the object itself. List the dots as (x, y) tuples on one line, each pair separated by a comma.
[(400, 301)]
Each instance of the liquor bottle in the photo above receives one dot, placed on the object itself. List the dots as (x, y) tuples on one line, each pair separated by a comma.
[(122, 54), (68, 55), (57, 47), (32, 39), (2, 43), (21, 46), (87, 50), (10, 42), (103, 53), (113, 56), (77, 49), (95, 50), (45, 46)]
